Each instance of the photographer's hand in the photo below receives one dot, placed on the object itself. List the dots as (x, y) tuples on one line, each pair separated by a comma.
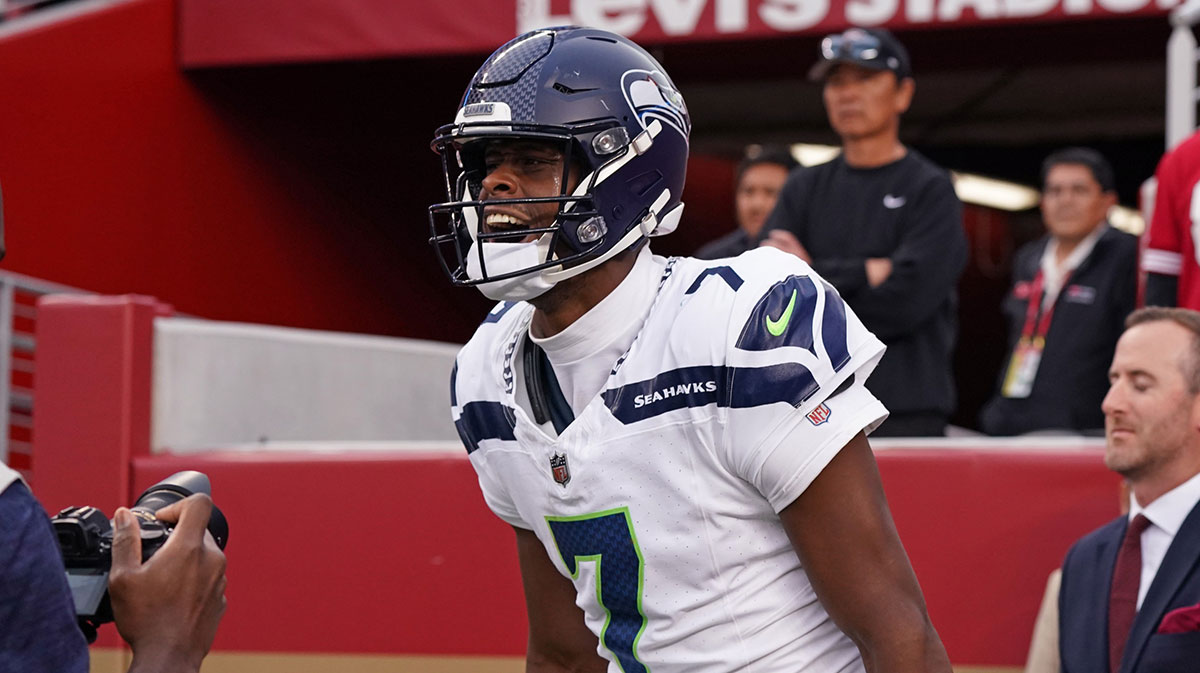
[(168, 608)]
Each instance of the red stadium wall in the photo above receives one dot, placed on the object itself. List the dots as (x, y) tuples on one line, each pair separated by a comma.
[(394, 554), (289, 195), (120, 174)]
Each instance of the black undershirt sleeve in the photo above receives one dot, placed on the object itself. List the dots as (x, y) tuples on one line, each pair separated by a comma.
[(1162, 289)]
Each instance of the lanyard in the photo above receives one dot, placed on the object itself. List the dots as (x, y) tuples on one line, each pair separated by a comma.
[(1036, 328)]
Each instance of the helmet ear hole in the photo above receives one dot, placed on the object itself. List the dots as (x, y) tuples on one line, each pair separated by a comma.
[(643, 183)]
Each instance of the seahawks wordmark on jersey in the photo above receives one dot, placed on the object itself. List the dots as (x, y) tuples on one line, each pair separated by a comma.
[(660, 499)]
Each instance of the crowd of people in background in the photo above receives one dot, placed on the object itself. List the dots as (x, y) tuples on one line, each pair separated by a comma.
[(883, 225)]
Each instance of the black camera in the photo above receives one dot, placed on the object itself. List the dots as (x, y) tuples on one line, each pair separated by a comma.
[(85, 538)]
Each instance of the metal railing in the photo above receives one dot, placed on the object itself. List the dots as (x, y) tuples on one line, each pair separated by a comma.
[(1181, 73), (18, 345), (11, 9)]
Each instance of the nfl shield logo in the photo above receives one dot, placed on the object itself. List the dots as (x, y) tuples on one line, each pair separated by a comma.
[(558, 468), (819, 415)]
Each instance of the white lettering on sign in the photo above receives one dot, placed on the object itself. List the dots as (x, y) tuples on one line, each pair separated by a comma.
[(534, 14), (732, 16), (678, 17), (683, 17), (1123, 6), (919, 11)]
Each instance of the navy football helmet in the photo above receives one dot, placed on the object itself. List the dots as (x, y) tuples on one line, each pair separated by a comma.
[(617, 118)]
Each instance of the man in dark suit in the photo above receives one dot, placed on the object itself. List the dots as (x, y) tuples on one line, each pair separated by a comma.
[(1130, 597), (1072, 289)]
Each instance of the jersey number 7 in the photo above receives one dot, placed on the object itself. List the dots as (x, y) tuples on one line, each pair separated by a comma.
[(607, 539)]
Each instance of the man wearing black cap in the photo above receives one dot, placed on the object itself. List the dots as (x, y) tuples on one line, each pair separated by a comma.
[(882, 223)]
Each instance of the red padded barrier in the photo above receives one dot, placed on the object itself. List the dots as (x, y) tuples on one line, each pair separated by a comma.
[(373, 553), (92, 400), (92, 405), (985, 527), (393, 553), (389, 552)]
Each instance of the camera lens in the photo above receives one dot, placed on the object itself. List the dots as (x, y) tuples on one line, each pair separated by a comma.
[(177, 487)]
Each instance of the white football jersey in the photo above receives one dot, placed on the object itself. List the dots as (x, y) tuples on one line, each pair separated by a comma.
[(660, 500)]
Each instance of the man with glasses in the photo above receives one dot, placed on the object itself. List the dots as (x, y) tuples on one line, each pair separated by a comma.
[(882, 223)]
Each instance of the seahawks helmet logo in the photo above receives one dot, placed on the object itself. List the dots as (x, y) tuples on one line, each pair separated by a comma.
[(651, 96)]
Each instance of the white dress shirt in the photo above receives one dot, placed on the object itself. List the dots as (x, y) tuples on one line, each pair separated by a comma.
[(1166, 515), (1054, 274)]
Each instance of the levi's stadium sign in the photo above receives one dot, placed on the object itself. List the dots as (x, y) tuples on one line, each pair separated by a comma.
[(237, 32), (651, 19)]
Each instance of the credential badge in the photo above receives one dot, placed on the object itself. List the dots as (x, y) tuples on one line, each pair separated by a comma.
[(559, 469)]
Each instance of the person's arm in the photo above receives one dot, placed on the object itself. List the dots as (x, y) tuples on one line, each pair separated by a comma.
[(782, 239), (847, 542), (1162, 258), (168, 608), (924, 267), (559, 639), (38, 628)]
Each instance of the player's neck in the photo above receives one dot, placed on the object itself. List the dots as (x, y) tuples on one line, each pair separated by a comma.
[(873, 151), (567, 301)]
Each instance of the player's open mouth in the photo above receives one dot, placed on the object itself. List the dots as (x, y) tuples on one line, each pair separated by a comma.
[(511, 228)]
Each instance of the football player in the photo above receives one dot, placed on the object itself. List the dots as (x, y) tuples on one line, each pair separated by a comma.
[(680, 445)]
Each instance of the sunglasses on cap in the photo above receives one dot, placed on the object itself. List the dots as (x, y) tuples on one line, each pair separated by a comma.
[(853, 45)]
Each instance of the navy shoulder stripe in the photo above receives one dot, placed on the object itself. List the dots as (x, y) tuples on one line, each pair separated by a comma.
[(498, 312), (726, 274), (785, 317), (833, 329), (782, 317), (484, 420), (734, 387)]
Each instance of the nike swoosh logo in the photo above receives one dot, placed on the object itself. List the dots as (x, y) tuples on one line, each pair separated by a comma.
[(893, 202), (776, 327)]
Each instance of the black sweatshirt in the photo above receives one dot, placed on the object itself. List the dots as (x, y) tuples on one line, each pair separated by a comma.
[(906, 211)]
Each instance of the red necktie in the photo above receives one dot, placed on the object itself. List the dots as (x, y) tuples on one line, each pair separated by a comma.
[(1122, 600)]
